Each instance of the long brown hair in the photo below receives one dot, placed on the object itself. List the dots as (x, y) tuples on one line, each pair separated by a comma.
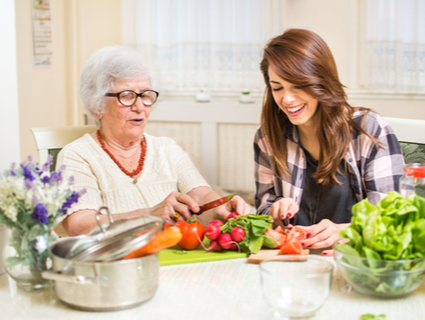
[(302, 58)]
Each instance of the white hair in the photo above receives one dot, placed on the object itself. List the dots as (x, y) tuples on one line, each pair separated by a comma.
[(102, 69)]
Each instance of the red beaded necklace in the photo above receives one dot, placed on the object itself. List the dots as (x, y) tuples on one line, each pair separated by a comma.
[(141, 160)]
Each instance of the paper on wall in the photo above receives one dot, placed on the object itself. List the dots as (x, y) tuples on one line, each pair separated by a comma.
[(42, 34)]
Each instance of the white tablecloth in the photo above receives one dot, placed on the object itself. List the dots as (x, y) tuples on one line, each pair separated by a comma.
[(228, 289)]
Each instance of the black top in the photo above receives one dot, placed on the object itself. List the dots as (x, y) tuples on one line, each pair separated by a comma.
[(333, 203)]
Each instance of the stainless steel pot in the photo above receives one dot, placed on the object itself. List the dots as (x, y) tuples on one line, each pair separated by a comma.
[(89, 273), (102, 286)]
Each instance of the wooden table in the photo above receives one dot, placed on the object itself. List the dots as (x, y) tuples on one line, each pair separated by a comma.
[(229, 289)]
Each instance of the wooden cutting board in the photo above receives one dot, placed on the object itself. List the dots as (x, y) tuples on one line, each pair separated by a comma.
[(269, 253)]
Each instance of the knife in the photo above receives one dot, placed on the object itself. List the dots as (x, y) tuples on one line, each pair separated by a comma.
[(214, 204), (208, 206)]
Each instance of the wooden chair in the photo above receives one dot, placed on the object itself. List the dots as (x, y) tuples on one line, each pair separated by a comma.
[(51, 141), (411, 135)]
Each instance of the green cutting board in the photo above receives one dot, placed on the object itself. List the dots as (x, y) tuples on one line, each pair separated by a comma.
[(176, 255)]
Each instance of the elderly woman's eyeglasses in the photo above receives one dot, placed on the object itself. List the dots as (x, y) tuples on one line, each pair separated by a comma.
[(129, 97)]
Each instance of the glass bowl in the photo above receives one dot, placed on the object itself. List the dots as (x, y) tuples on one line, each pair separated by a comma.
[(296, 286), (380, 278)]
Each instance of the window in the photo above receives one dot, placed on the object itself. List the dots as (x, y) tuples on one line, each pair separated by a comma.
[(213, 45), (395, 45)]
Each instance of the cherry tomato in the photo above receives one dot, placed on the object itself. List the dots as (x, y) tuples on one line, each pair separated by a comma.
[(280, 238), (193, 233), (291, 245)]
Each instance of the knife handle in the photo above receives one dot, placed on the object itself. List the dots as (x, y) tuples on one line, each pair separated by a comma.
[(196, 213)]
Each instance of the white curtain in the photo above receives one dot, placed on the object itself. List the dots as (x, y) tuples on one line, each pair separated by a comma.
[(395, 45), (212, 45)]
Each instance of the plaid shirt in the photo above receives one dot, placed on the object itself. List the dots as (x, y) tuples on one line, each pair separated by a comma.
[(372, 171)]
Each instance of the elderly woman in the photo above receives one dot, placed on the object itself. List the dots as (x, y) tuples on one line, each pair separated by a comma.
[(120, 165)]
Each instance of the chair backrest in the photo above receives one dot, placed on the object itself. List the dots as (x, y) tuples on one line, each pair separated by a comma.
[(52, 140), (411, 135)]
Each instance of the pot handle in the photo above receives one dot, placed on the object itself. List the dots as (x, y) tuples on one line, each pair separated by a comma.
[(59, 276), (99, 214)]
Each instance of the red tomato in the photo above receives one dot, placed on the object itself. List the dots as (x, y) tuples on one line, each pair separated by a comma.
[(193, 233), (280, 230), (280, 238), (292, 245), (299, 233), (166, 226)]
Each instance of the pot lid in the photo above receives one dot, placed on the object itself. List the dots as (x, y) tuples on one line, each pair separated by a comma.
[(114, 240)]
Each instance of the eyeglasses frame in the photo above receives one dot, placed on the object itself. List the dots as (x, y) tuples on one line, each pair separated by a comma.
[(138, 95)]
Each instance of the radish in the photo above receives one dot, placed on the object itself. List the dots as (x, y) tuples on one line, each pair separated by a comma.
[(217, 222), (214, 246), (234, 246), (225, 240), (232, 215), (237, 234), (213, 231)]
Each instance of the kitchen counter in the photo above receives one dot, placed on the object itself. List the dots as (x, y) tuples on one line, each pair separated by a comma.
[(229, 289)]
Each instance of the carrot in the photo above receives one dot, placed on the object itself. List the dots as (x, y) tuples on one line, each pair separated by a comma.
[(167, 238)]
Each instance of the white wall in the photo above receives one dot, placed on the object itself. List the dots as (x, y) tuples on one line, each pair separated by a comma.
[(9, 115), (48, 97), (42, 92), (340, 24)]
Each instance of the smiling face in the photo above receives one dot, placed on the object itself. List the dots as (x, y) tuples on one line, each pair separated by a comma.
[(126, 124), (298, 105)]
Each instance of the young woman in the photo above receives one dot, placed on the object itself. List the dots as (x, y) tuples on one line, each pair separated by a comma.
[(315, 154)]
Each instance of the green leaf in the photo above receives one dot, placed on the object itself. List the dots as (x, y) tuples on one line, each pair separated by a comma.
[(394, 229), (255, 244)]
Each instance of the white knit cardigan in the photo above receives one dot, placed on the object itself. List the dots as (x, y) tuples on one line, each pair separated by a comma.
[(167, 168)]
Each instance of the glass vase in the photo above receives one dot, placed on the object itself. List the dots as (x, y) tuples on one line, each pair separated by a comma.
[(27, 256)]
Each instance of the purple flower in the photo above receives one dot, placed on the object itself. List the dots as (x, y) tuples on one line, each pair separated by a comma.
[(12, 168), (55, 177), (45, 179), (46, 166), (73, 198), (28, 173), (29, 184), (40, 214)]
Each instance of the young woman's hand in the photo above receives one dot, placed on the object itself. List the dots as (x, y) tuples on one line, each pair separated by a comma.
[(322, 235), (236, 204), (282, 209)]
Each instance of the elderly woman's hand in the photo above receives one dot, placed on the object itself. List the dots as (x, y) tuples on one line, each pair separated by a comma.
[(175, 202)]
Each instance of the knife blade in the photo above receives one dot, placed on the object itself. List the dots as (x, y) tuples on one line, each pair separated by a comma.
[(214, 204)]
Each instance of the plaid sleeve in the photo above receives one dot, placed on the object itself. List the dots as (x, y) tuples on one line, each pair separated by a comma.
[(382, 167), (265, 194)]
